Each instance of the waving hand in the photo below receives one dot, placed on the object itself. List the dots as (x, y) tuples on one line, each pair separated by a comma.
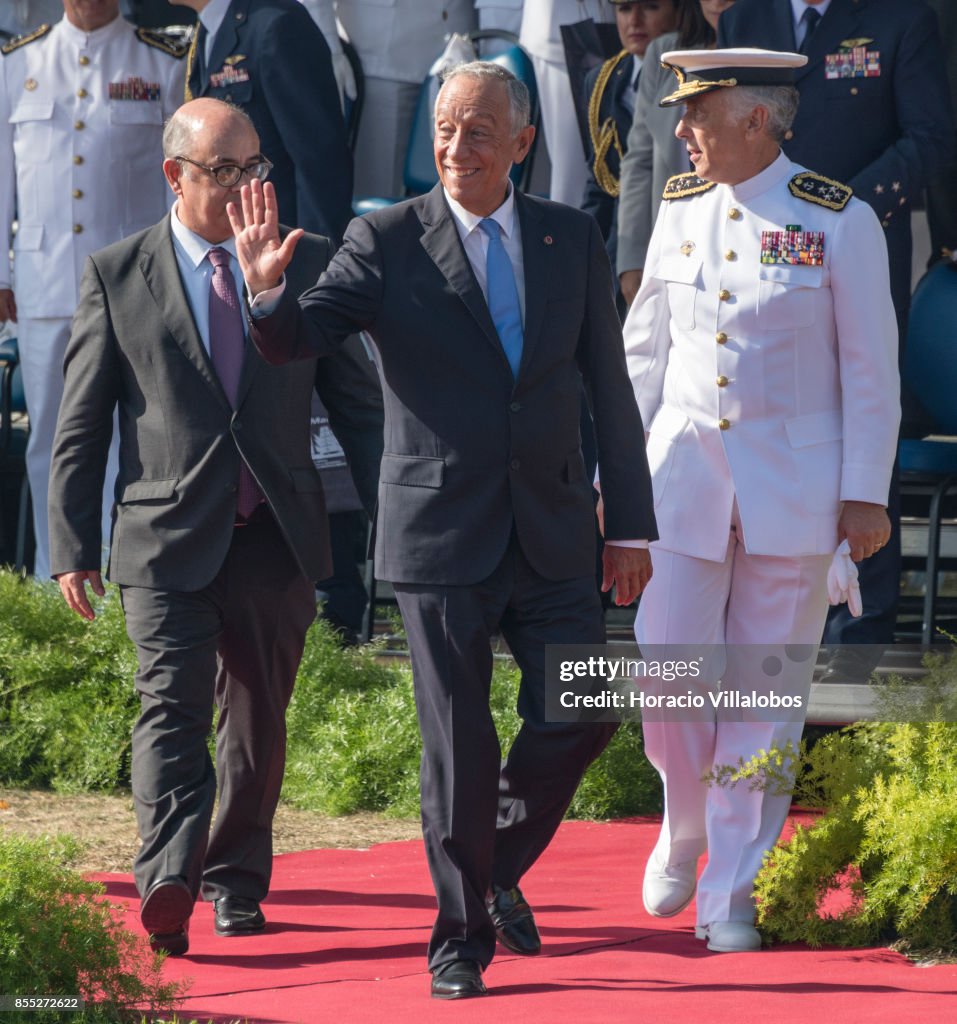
[(262, 257)]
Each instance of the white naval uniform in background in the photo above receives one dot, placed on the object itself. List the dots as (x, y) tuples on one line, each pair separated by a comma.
[(88, 172), (771, 393), (397, 42), (542, 38)]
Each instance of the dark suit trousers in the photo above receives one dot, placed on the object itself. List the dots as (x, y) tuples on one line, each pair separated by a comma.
[(236, 643), (485, 820)]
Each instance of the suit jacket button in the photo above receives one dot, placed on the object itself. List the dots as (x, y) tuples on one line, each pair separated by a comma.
[(231, 488), (514, 464), (515, 406), (724, 424)]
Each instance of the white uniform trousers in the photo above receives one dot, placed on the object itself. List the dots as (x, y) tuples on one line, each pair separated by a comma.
[(383, 138), (562, 138), (744, 600), (42, 344)]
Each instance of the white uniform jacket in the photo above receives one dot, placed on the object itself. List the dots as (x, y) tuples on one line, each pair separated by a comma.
[(81, 122), (400, 39), (771, 382)]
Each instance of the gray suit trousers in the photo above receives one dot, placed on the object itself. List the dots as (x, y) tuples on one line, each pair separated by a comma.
[(236, 643)]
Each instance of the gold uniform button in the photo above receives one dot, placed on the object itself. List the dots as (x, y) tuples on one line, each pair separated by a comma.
[(730, 255), (84, 61), (77, 229), (82, 93), (79, 125), (78, 160), (788, 135), (734, 213), (722, 381), (724, 424), (721, 338), (724, 295), (78, 193)]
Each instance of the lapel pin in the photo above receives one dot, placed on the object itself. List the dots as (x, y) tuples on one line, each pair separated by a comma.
[(30, 84), (548, 239)]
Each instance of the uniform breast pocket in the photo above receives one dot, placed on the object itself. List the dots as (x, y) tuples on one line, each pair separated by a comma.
[(788, 295), (32, 132), (683, 276), (136, 151)]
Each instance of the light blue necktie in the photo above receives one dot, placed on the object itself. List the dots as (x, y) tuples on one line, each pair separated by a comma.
[(503, 301)]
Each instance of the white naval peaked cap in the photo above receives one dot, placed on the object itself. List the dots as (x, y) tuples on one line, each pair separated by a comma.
[(701, 71)]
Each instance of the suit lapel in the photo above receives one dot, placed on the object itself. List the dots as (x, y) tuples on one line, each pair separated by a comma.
[(442, 243), (227, 37), (160, 271), (838, 24)]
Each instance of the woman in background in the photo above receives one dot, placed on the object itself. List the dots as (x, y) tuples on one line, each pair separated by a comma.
[(653, 153)]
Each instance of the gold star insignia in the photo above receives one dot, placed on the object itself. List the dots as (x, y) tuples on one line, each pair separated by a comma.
[(896, 187), (879, 189)]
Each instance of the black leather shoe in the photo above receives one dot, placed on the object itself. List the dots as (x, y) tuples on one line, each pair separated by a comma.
[(237, 915), (165, 913), (458, 979), (514, 922)]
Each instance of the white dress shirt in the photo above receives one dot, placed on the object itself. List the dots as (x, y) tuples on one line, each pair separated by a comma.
[(475, 241), (195, 271), (212, 16)]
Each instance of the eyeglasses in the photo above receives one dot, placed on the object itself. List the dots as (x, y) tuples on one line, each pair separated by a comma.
[(228, 175)]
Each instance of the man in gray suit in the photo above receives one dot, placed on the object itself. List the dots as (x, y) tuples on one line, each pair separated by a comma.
[(489, 309), (219, 527)]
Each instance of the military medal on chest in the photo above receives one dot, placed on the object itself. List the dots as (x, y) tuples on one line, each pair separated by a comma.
[(134, 88), (793, 246), (230, 73), (853, 60)]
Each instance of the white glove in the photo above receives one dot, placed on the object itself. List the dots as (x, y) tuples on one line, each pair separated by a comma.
[(842, 582), (345, 79)]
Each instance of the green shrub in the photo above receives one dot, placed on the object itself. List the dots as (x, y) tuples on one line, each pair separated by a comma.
[(67, 701), (56, 939), (885, 851), (67, 707)]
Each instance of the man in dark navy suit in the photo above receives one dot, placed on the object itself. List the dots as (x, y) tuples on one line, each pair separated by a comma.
[(268, 57), (874, 114)]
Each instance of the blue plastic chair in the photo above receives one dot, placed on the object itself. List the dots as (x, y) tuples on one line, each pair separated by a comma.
[(928, 468), (419, 174)]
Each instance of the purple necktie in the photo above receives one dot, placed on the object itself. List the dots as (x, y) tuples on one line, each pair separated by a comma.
[(226, 347)]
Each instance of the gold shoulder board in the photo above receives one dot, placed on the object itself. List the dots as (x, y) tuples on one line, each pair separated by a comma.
[(680, 185), (168, 43), (815, 188), (19, 41)]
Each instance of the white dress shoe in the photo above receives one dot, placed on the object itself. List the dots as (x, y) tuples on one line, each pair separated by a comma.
[(729, 936), (668, 888)]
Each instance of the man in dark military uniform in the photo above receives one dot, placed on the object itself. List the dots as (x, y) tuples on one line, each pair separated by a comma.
[(268, 58), (874, 113)]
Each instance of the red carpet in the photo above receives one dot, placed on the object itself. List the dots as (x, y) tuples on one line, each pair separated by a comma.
[(348, 929)]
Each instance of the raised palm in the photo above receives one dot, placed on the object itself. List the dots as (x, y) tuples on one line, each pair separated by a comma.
[(263, 258)]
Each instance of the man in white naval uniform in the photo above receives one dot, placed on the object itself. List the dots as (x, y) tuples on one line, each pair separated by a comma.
[(762, 347), (82, 105), (542, 37)]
